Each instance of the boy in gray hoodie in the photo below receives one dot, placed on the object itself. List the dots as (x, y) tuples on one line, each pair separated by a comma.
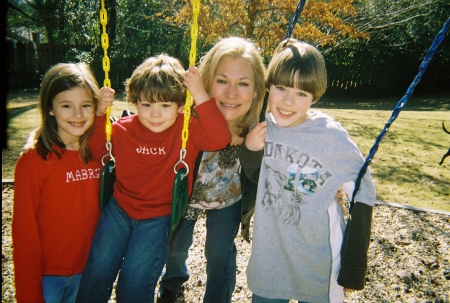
[(302, 248)]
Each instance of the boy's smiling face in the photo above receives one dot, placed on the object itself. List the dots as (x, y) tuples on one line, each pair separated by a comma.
[(289, 106), (158, 116)]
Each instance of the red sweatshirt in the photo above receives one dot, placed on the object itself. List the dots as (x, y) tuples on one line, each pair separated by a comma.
[(145, 160), (56, 210)]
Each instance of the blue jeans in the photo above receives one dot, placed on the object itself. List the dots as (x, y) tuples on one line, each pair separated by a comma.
[(258, 299), (222, 226), (60, 289), (138, 248)]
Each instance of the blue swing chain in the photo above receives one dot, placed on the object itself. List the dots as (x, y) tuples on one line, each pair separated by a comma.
[(294, 19), (298, 11), (426, 61)]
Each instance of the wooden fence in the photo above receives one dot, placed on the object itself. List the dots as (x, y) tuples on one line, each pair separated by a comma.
[(28, 61), (21, 63), (369, 73)]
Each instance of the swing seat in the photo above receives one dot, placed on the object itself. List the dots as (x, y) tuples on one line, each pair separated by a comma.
[(179, 199), (107, 183)]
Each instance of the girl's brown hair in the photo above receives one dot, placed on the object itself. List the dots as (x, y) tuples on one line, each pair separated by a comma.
[(59, 78)]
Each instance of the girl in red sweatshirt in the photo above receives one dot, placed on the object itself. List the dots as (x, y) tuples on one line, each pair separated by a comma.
[(56, 207)]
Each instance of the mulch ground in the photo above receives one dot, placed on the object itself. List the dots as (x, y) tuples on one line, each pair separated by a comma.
[(409, 258)]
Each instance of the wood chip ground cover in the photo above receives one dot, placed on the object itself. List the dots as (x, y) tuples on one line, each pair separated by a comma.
[(409, 258)]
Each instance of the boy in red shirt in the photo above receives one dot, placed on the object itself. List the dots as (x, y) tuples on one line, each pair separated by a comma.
[(132, 234)]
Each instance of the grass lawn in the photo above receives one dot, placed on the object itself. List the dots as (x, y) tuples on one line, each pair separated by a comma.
[(405, 168)]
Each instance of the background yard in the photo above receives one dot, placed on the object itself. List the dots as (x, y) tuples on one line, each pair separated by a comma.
[(372, 48), (405, 168), (409, 253)]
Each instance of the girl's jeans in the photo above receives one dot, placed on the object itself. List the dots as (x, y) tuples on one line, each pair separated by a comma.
[(138, 248), (60, 289), (222, 226)]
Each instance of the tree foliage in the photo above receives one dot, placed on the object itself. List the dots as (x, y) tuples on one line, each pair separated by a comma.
[(401, 23), (265, 21), (401, 32), (63, 21), (365, 42), (140, 31)]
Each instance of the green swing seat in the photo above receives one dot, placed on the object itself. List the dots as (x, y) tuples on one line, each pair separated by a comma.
[(107, 183), (179, 198)]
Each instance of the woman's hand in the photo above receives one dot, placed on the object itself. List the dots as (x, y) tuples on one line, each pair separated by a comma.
[(105, 100), (255, 139)]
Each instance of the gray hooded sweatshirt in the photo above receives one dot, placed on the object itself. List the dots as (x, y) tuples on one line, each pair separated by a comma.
[(299, 229)]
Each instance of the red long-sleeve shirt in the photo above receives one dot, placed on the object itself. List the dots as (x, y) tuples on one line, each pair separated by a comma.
[(145, 160), (56, 211)]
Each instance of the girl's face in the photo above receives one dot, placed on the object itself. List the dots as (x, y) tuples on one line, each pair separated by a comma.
[(74, 112), (158, 116), (289, 106), (233, 87)]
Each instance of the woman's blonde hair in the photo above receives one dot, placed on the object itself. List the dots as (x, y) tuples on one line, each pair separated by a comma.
[(59, 78), (237, 48), (300, 65)]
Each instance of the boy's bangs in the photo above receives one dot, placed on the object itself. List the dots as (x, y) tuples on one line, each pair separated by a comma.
[(290, 74), (157, 95), (161, 90), (306, 82)]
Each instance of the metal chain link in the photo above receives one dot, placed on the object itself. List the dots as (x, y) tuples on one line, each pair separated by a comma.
[(189, 101), (192, 57), (106, 65), (106, 81)]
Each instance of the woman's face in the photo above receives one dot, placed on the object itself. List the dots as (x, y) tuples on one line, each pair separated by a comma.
[(233, 87)]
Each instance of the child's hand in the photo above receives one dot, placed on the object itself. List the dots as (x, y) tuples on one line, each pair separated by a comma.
[(340, 196), (105, 100), (32, 140), (256, 138), (194, 83), (348, 289)]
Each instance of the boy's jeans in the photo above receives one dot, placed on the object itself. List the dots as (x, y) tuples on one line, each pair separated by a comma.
[(138, 248), (60, 289), (222, 226)]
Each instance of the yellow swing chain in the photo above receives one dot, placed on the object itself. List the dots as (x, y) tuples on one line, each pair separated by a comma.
[(187, 107), (106, 82)]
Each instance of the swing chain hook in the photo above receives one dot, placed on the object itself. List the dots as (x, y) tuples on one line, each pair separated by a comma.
[(110, 155), (181, 161)]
